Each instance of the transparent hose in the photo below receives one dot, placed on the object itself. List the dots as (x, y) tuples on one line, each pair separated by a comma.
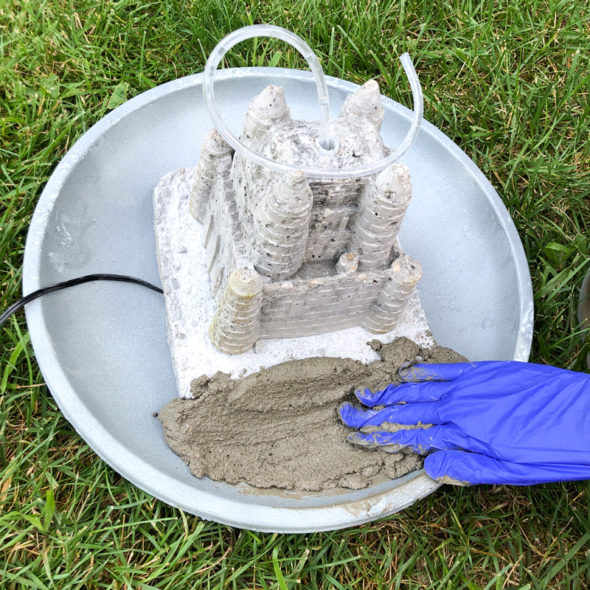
[(326, 139)]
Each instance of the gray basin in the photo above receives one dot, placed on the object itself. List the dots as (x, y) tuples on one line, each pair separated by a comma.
[(102, 346)]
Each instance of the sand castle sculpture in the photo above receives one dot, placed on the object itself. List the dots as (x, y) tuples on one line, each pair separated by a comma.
[(291, 256)]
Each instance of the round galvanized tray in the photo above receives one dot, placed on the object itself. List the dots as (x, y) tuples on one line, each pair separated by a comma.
[(102, 346)]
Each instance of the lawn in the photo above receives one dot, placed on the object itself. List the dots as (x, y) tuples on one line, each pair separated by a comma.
[(507, 81)]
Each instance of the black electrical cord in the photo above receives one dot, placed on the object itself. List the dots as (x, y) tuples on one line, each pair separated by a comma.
[(71, 283)]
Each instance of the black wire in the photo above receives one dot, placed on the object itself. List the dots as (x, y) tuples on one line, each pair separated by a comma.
[(71, 283)]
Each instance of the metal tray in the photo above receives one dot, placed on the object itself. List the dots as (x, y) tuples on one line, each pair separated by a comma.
[(102, 346)]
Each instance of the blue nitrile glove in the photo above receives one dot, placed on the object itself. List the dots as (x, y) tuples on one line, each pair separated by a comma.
[(493, 422)]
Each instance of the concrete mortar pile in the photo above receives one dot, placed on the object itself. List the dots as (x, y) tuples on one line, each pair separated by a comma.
[(290, 255)]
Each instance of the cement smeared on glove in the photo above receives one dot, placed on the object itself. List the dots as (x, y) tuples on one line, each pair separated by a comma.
[(279, 427)]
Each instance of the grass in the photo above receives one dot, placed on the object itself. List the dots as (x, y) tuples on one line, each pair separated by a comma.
[(507, 81)]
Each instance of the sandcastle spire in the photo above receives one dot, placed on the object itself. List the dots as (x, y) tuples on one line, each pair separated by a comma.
[(381, 210), (364, 104), (215, 157), (236, 323), (403, 276), (281, 226), (264, 111)]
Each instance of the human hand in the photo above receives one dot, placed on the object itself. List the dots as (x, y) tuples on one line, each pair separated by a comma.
[(492, 422)]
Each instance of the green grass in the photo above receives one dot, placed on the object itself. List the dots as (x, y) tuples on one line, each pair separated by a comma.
[(507, 81)]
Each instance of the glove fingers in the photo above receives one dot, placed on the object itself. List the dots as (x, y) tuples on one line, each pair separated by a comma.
[(420, 440), (370, 398), (473, 468), (429, 391), (425, 413), (436, 372)]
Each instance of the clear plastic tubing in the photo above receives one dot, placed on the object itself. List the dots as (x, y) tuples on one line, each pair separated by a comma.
[(325, 137)]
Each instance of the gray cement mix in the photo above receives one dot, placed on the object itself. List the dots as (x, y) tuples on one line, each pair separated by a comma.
[(279, 427)]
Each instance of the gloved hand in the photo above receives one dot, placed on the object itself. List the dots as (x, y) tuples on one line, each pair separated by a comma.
[(493, 422)]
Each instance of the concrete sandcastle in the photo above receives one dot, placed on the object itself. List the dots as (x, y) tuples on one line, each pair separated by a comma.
[(260, 266), (278, 240), (289, 256)]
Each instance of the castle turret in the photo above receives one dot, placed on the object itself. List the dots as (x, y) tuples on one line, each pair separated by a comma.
[(235, 325), (281, 225), (364, 104), (384, 313), (264, 111), (382, 207), (215, 156)]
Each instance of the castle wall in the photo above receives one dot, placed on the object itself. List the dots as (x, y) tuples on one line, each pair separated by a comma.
[(308, 308), (332, 219), (372, 299)]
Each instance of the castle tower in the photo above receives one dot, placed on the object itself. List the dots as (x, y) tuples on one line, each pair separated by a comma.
[(265, 111), (281, 223), (381, 209), (402, 278), (215, 157), (365, 103), (235, 326)]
